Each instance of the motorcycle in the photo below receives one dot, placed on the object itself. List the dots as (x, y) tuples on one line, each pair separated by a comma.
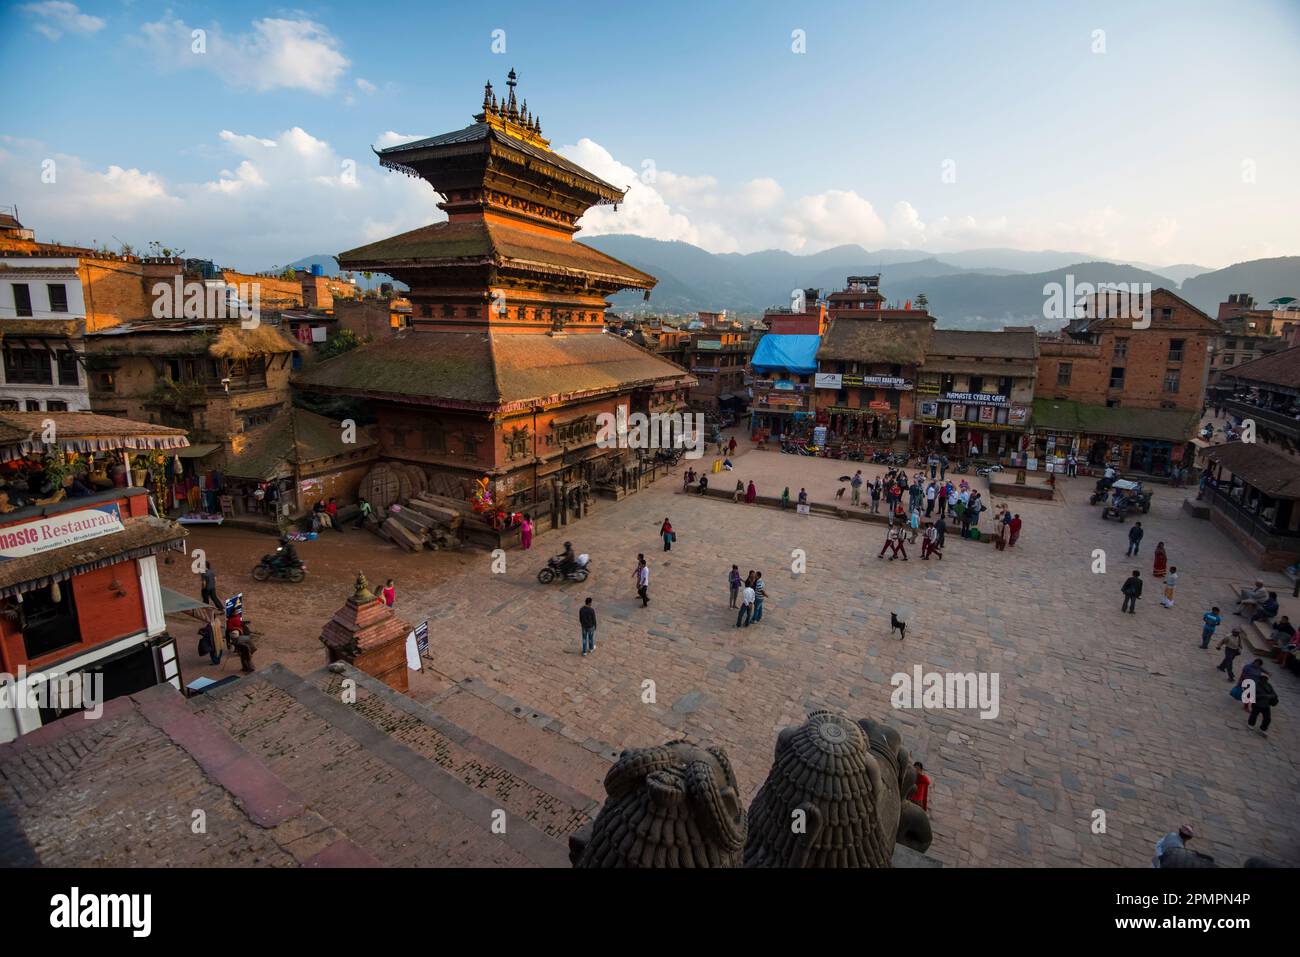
[(987, 470), (272, 566), (552, 571), (962, 469)]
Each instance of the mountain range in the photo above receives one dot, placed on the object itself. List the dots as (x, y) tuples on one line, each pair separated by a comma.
[(973, 289)]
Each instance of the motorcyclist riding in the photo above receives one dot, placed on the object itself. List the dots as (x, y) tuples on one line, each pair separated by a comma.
[(286, 556), (568, 559)]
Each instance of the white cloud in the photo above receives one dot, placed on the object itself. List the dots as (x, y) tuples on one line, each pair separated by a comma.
[(396, 139), (57, 17), (291, 54), (365, 86), (266, 202)]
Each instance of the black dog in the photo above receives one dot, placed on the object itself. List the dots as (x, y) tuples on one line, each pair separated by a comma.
[(900, 626)]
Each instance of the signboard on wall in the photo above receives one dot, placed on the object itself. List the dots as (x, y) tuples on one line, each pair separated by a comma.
[(929, 408), (976, 398), (68, 528), (1017, 415), (828, 380)]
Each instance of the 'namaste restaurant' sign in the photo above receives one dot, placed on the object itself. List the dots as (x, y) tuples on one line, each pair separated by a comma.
[(69, 528)]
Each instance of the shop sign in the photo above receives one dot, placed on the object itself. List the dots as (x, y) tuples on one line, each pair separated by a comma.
[(828, 380), (879, 406), (987, 414), (878, 381), (1017, 415), (929, 408), (69, 528), (976, 398)]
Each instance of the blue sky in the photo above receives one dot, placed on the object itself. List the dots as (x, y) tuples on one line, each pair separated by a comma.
[(1165, 138)]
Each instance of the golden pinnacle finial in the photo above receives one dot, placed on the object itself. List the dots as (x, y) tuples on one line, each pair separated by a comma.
[(363, 595)]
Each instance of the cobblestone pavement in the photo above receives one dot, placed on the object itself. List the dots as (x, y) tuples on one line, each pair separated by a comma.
[(1099, 711)]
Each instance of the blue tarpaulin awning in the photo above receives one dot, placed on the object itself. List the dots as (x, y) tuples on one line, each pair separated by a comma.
[(796, 354)]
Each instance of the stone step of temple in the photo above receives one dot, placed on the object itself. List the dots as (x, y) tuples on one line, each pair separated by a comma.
[(513, 759), (376, 766)]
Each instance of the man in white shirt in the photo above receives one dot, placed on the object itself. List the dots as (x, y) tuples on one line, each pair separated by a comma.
[(747, 596)]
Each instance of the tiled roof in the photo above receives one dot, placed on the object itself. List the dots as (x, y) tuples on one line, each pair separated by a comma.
[(140, 536), (1281, 368), (489, 369), (21, 433), (1168, 425), (297, 437), (897, 342), (478, 242), (1271, 472), (480, 132)]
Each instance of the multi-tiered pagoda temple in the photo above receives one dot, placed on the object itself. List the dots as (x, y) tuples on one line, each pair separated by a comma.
[(507, 364)]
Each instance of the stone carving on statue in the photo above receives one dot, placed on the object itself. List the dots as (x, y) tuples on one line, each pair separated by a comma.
[(677, 805), (833, 797)]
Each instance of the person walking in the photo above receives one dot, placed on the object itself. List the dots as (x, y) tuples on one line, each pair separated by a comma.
[(785, 498), (208, 644), (751, 493), (642, 575), (526, 533), (587, 621), (933, 462), (731, 446), (930, 543), (1132, 589), (941, 531), (1231, 645), (914, 522), (1171, 581), (875, 496), (931, 492), (365, 512), (1209, 622), (747, 597), (1014, 529), (1264, 703), (856, 483), (734, 583), (943, 467), (209, 592), (667, 534), (759, 594), (1134, 538), (389, 593)]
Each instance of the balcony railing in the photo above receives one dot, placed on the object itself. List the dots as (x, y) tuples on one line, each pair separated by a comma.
[(1251, 523), (1277, 421)]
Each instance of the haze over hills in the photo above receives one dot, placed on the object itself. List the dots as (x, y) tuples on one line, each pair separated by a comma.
[(975, 289)]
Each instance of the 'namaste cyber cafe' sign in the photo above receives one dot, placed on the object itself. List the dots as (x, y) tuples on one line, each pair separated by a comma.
[(68, 528)]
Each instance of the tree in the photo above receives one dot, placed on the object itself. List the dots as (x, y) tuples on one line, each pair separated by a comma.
[(345, 340), (921, 301)]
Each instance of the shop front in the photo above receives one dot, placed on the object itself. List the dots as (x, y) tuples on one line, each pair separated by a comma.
[(987, 425), (1150, 441)]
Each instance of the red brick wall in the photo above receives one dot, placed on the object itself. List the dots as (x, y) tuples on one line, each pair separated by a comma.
[(102, 615)]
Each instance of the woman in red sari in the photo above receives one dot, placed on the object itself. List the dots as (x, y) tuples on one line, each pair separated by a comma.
[(1162, 562), (751, 493)]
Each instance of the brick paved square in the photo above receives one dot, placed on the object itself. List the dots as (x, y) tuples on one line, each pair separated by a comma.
[(1099, 711)]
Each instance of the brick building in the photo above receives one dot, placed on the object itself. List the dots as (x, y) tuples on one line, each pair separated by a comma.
[(984, 382), (718, 360), (867, 364), (1123, 389), (79, 589)]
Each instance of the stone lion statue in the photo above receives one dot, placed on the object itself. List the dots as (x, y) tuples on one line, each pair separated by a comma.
[(835, 797), (676, 805)]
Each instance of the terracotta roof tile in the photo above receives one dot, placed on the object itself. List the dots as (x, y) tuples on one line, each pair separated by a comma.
[(1280, 368), (897, 342), (1271, 472)]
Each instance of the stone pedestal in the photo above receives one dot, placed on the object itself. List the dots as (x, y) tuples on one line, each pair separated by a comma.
[(367, 635)]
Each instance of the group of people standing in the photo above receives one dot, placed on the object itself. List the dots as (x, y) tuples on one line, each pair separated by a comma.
[(747, 596)]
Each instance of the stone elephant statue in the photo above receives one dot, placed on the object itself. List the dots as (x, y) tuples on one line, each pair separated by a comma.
[(835, 798), (676, 805)]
